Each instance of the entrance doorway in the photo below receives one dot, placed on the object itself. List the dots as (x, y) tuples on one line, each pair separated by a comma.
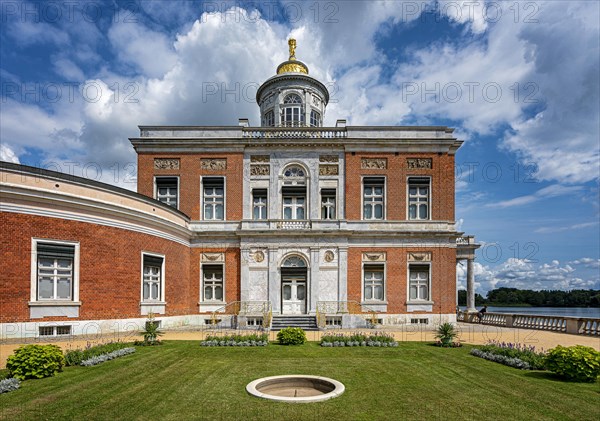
[(293, 294)]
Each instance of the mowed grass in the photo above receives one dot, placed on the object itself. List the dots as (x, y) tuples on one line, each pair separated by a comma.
[(184, 381)]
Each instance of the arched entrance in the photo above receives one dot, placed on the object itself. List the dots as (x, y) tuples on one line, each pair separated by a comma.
[(293, 285)]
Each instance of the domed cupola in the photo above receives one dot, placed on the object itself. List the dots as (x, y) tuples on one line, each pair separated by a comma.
[(292, 98)]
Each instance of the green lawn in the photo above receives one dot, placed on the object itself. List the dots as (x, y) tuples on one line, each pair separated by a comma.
[(182, 381)]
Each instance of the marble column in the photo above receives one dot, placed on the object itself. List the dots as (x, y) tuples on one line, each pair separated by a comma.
[(470, 286)]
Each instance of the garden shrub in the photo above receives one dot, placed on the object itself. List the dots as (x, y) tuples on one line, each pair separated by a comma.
[(377, 339), (8, 385), (253, 339), (577, 363), (76, 356), (291, 336), (106, 357), (35, 361), (525, 353)]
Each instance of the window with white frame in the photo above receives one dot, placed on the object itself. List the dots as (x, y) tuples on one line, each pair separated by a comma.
[(292, 115), (269, 119), (315, 118), (373, 197), (55, 271), (212, 278), (373, 281), (418, 198), (214, 198), (152, 278), (259, 204), (294, 202), (418, 283), (328, 199), (167, 190)]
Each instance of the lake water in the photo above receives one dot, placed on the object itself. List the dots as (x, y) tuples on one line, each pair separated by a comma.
[(546, 311)]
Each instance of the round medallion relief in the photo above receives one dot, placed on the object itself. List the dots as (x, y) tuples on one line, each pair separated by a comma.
[(259, 256), (329, 256)]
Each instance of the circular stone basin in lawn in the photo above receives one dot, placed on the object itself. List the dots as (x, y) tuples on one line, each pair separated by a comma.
[(296, 388)]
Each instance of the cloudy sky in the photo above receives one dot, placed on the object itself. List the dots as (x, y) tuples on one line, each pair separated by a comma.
[(518, 80)]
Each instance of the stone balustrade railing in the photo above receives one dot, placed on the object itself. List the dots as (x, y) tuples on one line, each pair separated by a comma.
[(295, 133), (298, 224), (565, 324)]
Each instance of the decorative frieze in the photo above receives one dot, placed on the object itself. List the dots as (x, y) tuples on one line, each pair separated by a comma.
[(212, 257), (166, 163), (260, 158), (419, 257), (259, 170), (329, 158), (328, 170), (373, 163), (213, 164), (374, 257), (418, 163)]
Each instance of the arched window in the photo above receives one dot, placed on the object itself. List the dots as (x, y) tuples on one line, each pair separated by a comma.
[(294, 262), (294, 171), (292, 111)]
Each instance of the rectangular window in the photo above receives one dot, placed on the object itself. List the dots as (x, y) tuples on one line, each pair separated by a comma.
[(167, 191), (269, 119), (259, 204), (315, 119), (328, 199), (152, 278), (294, 202), (212, 276), (54, 330), (373, 276), (214, 198), (418, 284), (55, 271), (373, 197), (292, 116), (418, 198)]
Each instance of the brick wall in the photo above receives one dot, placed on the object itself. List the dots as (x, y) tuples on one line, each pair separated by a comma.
[(110, 266), (189, 174), (443, 277), (396, 173)]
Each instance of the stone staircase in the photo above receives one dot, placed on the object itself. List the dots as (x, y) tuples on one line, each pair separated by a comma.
[(303, 322)]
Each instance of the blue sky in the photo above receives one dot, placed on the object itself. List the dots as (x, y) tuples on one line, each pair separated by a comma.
[(518, 80)]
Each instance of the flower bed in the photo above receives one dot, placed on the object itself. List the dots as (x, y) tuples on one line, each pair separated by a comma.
[(8, 385), (106, 357), (509, 361), (253, 339), (76, 356), (524, 353), (377, 339)]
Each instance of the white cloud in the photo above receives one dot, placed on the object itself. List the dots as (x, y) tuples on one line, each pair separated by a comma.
[(7, 154), (553, 229), (553, 190), (524, 274), (587, 262)]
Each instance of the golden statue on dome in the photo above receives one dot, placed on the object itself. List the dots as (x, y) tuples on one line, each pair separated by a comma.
[(292, 65), (292, 45)]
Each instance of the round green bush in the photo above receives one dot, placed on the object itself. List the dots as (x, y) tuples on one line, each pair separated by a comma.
[(291, 336), (577, 363), (35, 361)]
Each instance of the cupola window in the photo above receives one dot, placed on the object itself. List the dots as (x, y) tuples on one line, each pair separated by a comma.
[(292, 111)]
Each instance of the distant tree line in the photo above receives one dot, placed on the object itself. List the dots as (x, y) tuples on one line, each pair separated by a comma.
[(554, 298)]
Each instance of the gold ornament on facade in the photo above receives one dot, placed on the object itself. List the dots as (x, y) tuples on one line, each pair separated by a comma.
[(166, 163), (328, 170), (260, 158), (292, 45), (213, 164), (292, 65), (258, 170), (329, 256), (259, 256), (373, 163), (328, 158), (418, 163)]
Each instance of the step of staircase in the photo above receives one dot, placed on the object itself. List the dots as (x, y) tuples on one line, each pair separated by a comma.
[(303, 322)]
